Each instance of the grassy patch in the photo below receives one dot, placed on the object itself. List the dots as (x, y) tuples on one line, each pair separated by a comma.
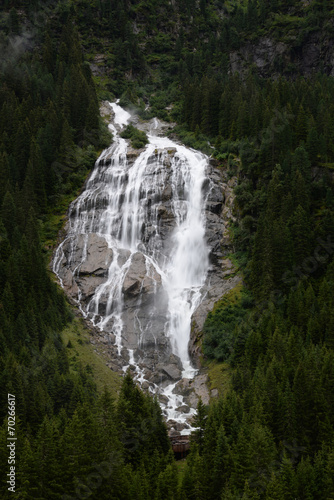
[(181, 465), (76, 336), (282, 20), (230, 298), (220, 375)]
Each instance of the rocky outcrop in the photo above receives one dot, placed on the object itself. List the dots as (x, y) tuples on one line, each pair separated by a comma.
[(98, 256), (219, 213), (222, 276), (274, 58), (137, 281), (263, 55), (192, 390), (91, 258)]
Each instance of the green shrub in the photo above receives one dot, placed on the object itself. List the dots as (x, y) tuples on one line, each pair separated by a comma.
[(220, 325), (138, 138)]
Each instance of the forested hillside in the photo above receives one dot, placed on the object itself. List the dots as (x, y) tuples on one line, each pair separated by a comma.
[(267, 118)]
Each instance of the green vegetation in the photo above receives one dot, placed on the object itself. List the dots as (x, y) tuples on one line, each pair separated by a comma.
[(77, 337), (279, 343), (137, 137), (220, 325), (220, 375)]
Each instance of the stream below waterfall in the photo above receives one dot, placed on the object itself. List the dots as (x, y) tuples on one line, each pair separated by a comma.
[(135, 257)]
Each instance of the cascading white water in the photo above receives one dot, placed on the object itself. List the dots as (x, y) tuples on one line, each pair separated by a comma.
[(121, 205)]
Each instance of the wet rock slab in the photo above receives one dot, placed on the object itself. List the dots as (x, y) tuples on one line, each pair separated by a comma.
[(136, 279)]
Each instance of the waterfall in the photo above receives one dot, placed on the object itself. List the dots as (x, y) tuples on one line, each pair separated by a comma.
[(135, 256)]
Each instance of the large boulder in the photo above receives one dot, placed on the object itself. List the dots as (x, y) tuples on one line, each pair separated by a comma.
[(98, 256), (172, 371), (141, 277), (88, 254)]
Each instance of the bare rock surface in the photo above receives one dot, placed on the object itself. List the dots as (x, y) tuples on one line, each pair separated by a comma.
[(194, 389), (136, 280), (315, 54), (172, 371), (98, 256)]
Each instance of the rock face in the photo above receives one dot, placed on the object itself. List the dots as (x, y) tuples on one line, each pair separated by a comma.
[(193, 389), (270, 57), (91, 258), (137, 281)]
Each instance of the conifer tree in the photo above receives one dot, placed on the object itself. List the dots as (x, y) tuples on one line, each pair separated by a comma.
[(200, 424)]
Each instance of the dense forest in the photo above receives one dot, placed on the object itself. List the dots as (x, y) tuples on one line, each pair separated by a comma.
[(271, 434)]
